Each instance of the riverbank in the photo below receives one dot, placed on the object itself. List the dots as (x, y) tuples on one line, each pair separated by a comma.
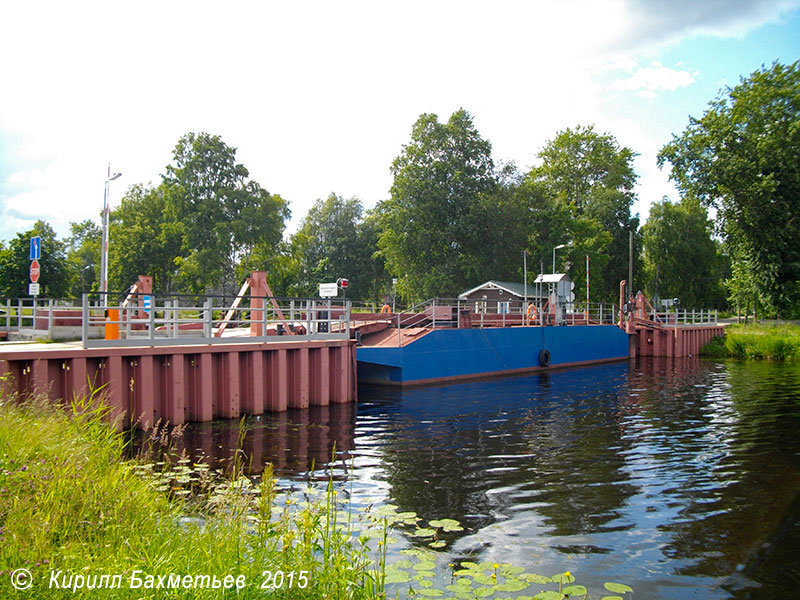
[(766, 340), (84, 523)]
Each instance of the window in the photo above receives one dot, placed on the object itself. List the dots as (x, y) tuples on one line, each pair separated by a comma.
[(503, 308)]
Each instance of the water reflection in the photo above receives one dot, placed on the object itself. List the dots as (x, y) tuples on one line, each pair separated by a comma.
[(294, 442), (680, 477)]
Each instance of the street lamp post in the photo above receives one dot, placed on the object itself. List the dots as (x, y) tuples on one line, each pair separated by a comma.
[(104, 249), (554, 255), (525, 280)]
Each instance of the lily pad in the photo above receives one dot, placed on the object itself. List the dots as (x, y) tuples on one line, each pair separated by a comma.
[(467, 573), (425, 565), (447, 524), (512, 585), (386, 509), (549, 595), (438, 544), (619, 588), (534, 578), (401, 564), (575, 590), (424, 532), (483, 592), (565, 577), (431, 593), (397, 577)]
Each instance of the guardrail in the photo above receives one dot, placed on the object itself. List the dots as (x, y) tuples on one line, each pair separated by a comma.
[(174, 320), (152, 320), (29, 315), (457, 313), (694, 316)]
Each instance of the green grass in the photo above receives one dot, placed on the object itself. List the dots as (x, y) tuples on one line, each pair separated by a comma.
[(68, 503), (765, 341)]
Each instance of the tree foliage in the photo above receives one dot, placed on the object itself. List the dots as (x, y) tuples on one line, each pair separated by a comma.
[(144, 240), (203, 228), (681, 258), (83, 256), (434, 236), (15, 262), (224, 216), (743, 157), (336, 241), (591, 175)]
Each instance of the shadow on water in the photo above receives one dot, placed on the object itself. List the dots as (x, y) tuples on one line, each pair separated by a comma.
[(680, 477), (294, 442)]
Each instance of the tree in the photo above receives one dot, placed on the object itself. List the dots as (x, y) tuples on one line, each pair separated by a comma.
[(223, 216), (144, 240), (335, 241), (551, 222), (743, 158), (592, 175), (434, 235), (83, 253), (54, 278), (681, 258)]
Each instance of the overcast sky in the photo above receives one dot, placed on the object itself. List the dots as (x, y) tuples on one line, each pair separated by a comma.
[(319, 97)]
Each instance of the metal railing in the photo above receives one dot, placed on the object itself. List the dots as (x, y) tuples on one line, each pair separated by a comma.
[(173, 320), (686, 316), (437, 313), (152, 320), (34, 316)]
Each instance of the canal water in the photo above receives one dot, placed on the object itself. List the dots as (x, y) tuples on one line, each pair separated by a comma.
[(678, 477)]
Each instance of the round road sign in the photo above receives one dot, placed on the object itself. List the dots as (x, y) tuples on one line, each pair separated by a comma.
[(34, 271)]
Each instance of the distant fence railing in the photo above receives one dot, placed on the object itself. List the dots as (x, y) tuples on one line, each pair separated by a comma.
[(686, 316), (30, 314), (151, 320)]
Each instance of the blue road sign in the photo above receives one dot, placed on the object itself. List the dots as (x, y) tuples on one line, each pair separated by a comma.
[(36, 248), (146, 302)]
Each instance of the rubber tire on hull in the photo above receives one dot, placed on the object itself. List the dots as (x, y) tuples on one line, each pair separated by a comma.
[(544, 358)]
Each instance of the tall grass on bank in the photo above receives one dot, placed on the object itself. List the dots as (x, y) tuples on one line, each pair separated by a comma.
[(68, 503), (767, 341)]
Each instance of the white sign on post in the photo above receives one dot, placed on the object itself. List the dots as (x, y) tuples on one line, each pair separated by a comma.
[(328, 290), (33, 289)]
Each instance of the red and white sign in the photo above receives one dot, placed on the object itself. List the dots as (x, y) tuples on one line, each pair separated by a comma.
[(34, 271)]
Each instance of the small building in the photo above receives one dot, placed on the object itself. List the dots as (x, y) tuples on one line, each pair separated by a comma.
[(500, 297), (560, 285)]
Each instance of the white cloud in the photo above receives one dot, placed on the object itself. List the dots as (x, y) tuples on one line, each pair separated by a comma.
[(654, 22), (649, 81)]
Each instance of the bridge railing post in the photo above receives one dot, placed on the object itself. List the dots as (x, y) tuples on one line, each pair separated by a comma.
[(348, 312), (84, 318), (207, 312)]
